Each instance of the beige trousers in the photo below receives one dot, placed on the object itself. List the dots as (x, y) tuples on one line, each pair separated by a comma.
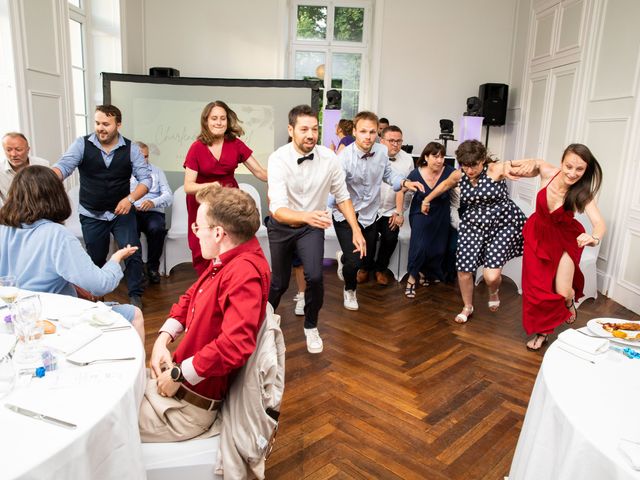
[(167, 419)]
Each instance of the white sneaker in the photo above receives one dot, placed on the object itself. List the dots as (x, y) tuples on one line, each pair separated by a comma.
[(314, 342), (299, 299), (350, 300), (339, 259)]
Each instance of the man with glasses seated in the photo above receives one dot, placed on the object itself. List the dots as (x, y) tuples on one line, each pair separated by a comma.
[(392, 208), (219, 315)]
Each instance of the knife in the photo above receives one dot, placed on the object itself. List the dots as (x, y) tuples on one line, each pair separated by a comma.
[(40, 416)]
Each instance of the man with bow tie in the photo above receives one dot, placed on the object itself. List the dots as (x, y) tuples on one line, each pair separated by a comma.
[(366, 165), (301, 175)]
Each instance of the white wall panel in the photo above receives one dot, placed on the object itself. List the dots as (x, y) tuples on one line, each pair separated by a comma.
[(563, 85), (570, 25), (47, 124), (631, 272), (536, 108), (42, 51), (544, 28), (617, 57)]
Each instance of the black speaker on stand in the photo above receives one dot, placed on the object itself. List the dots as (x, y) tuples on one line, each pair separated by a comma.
[(493, 99)]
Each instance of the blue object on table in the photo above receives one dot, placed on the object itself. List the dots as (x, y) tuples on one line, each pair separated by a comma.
[(627, 352)]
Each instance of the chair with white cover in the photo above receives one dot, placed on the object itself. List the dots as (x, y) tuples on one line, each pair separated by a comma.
[(191, 459), (400, 258), (176, 249), (588, 263), (261, 234), (73, 222)]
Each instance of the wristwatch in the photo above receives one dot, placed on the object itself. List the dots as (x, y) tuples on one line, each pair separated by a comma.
[(399, 214), (131, 200), (176, 374), (403, 182)]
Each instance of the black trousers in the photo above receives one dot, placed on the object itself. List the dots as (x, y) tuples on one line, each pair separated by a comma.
[(154, 227), (308, 243), (379, 261), (351, 262)]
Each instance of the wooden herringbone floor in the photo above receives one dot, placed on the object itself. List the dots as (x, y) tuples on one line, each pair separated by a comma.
[(400, 391)]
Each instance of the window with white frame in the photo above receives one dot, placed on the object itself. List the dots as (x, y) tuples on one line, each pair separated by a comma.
[(77, 44), (329, 42)]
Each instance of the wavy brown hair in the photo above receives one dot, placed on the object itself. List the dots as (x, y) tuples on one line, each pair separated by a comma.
[(585, 189), (346, 126), (472, 152), (232, 209), (36, 193), (432, 148), (233, 130)]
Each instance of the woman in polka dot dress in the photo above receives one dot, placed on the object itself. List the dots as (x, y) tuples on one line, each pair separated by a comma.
[(491, 224)]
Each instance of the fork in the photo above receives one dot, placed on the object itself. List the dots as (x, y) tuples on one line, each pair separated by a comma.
[(100, 360), (608, 338)]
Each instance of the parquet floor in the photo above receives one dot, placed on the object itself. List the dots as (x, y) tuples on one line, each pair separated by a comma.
[(400, 391)]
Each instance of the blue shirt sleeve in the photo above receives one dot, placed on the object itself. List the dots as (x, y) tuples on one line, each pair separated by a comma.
[(166, 195), (141, 170), (71, 158)]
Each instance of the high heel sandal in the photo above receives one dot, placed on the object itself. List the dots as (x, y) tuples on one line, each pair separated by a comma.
[(465, 314), (574, 312), (494, 305), (544, 337), (422, 280), (410, 290)]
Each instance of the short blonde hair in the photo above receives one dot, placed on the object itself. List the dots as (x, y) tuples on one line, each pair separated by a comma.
[(232, 209)]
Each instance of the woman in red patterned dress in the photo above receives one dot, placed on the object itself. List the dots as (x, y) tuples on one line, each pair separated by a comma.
[(214, 157), (554, 240)]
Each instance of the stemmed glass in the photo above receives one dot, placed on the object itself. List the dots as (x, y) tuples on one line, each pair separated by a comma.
[(28, 310), (8, 294)]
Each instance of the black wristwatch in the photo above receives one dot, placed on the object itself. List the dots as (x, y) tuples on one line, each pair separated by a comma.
[(176, 374)]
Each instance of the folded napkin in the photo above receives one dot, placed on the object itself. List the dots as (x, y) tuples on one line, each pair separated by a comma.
[(591, 349), (632, 451), (73, 339)]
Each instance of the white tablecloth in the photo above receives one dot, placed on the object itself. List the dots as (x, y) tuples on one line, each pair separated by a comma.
[(101, 399), (577, 415)]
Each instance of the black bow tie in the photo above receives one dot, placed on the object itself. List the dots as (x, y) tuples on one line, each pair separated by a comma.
[(306, 157), (367, 155), (393, 159)]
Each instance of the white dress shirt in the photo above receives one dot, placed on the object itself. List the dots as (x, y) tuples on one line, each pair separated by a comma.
[(403, 164), (159, 193), (7, 173), (364, 177), (304, 187)]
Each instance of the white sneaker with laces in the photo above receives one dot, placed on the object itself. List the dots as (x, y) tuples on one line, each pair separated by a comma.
[(314, 342), (299, 299), (339, 259), (350, 300)]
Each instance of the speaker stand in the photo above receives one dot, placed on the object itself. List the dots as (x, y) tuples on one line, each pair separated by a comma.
[(486, 141)]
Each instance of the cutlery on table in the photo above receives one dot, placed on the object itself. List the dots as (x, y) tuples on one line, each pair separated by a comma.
[(610, 337), (115, 329), (100, 360), (40, 416)]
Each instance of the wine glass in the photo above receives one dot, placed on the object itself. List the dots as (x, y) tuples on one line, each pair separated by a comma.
[(28, 310), (8, 294)]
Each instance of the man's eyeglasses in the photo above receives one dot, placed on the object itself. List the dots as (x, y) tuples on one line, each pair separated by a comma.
[(195, 227), (395, 142)]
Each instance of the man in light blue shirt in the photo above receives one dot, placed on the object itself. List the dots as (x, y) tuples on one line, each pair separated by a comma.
[(150, 214), (366, 166), (106, 160)]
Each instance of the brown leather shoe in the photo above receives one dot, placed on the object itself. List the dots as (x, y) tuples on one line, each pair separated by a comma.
[(362, 276), (382, 279)]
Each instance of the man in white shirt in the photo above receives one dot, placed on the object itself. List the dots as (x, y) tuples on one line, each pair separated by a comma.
[(366, 165), (150, 214), (391, 211), (16, 150), (301, 175)]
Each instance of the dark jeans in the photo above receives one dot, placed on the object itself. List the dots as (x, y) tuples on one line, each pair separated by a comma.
[(351, 262), (125, 231), (388, 242), (308, 243), (154, 227)]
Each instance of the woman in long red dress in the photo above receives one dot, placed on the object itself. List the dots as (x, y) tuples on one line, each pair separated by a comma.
[(214, 157), (554, 240)]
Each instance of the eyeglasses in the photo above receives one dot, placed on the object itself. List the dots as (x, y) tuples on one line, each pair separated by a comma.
[(195, 227), (395, 142)]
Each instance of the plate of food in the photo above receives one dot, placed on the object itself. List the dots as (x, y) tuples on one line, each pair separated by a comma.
[(619, 330)]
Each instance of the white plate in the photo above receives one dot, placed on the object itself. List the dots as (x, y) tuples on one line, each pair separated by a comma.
[(595, 326)]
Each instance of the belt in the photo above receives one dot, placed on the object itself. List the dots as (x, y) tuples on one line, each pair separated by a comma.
[(196, 400)]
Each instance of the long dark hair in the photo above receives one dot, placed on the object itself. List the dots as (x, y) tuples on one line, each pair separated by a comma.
[(585, 189), (472, 152), (36, 193), (432, 148)]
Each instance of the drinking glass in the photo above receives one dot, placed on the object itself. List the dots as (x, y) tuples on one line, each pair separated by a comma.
[(8, 289), (27, 314)]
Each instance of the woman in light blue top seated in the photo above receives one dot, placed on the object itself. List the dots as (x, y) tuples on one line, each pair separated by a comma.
[(42, 254)]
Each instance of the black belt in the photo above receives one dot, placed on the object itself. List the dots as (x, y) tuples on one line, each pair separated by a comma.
[(196, 400)]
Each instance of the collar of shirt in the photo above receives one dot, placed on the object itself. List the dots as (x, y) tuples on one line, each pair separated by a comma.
[(364, 155), (93, 138), (250, 245), (294, 154), (6, 167)]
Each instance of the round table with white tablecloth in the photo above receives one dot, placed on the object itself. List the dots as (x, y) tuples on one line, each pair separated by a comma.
[(102, 399), (578, 413)]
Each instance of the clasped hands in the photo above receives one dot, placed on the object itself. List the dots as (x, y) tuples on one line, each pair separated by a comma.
[(161, 363)]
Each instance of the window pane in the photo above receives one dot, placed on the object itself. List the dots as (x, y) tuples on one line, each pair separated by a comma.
[(75, 37), (75, 3), (309, 65), (349, 103), (345, 70), (78, 92), (81, 125), (348, 24), (312, 23)]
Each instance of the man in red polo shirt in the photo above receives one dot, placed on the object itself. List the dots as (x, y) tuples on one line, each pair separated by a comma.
[(220, 316)]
